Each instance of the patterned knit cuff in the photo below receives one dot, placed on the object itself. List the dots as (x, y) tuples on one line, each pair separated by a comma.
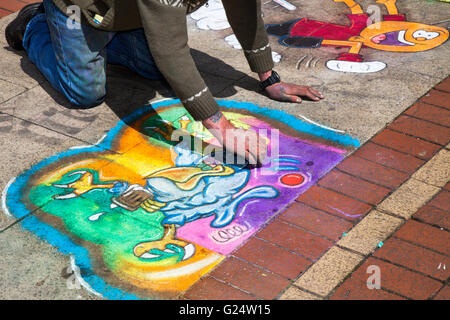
[(202, 105), (260, 60)]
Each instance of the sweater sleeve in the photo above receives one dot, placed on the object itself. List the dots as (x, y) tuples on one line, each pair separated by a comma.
[(246, 21), (164, 23)]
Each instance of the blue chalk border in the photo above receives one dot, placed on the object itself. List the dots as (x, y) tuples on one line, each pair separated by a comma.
[(66, 246)]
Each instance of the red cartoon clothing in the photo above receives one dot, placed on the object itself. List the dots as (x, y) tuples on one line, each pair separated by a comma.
[(330, 31)]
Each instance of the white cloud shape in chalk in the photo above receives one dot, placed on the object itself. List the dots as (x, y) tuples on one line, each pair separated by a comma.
[(355, 67), (211, 16), (276, 57), (233, 41)]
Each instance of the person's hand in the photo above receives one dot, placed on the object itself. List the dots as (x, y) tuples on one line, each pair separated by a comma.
[(289, 92), (244, 143)]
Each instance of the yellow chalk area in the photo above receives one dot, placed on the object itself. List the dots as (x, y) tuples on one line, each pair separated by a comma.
[(168, 278), (409, 28)]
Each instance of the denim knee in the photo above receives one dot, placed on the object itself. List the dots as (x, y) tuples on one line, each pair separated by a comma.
[(88, 97)]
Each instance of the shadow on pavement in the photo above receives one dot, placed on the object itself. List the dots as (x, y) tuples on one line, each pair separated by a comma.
[(128, 91)]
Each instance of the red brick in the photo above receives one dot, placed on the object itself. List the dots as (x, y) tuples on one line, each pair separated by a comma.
[(315, 220), (295, 239), (355, 288), (432, 215), (425, 235), (415, 258), (389, 158), (411, 145), (396, 279), (334, 203), (373, 172), (444, 294), (355, 187), (444, 85), (447, 186), (429, 112), (211, 289), (243, 275), (441, 201), (438, 98), (275, 259), (4, 13), (12, 5), (422, 129)]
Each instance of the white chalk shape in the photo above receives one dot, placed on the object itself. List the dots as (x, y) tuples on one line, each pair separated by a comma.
[(276, 57), (285, 4), (233, 41), (96, 216), (355, 67), (211, 17)]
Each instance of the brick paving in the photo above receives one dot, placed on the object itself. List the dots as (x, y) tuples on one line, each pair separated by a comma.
[(354, 187), (372, 172), (414, 261), (10, 6), (434, 216), (389, 158), (422, 129), (414, 264), (407, 144)]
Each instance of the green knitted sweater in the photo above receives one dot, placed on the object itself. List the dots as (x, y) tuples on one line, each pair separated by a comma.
[(164, 23)]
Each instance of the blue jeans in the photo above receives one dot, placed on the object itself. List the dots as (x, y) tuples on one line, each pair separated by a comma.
[(74, 59)]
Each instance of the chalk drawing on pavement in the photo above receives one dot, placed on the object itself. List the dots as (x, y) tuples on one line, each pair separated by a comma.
[(142, 215), (393, 34), (212, 16)]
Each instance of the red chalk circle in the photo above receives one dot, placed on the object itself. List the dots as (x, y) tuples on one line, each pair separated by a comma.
[(292, 179)]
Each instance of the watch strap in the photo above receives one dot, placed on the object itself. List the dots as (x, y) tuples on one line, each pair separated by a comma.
[(274, 78)]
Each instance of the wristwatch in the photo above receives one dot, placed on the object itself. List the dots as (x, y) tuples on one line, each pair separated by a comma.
[(274, 78)]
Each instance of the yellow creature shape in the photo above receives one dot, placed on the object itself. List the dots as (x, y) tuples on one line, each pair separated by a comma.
[(417, 36)]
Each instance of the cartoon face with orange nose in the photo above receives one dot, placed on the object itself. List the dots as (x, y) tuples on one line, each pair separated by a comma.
[(402, 36), (393, 34)]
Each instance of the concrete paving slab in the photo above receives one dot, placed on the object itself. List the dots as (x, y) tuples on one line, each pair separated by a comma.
[(272, 10), (436, 171), (9, 90), (433, 63), (42, 105), (329, 271), (39, 272), (406, 200), (38, 107), (344, 108), (372, 230), (16, 68), (23, 145), (215, 56), (294, 293), (358, 104), (377, 97)]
